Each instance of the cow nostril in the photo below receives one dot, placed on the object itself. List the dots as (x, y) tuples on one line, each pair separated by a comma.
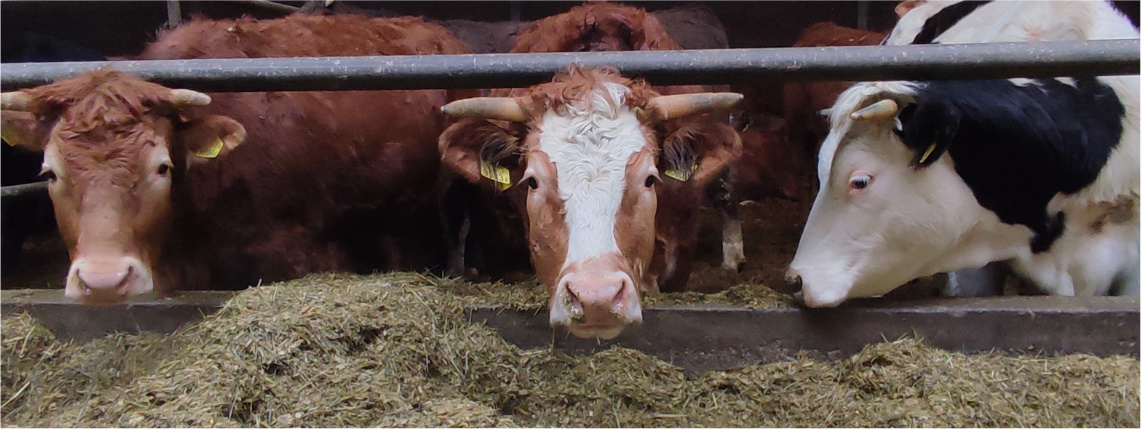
[(573, 303), (617, 303), (122, 286), (82, 284), (794, 280)]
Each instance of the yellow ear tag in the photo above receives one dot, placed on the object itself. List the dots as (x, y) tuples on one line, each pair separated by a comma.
[(681, 175), (9, 136), (211, 151), (497, 174), (927, 153)]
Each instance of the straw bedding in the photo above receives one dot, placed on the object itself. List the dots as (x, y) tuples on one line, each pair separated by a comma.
[(396, 350)]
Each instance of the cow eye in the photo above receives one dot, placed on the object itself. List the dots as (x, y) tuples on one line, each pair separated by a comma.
[(163, 169), (859, 182), (650, 181), (48, 175), (532, 183)]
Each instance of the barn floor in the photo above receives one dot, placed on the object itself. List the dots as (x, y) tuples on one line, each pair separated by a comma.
[(397, 350)]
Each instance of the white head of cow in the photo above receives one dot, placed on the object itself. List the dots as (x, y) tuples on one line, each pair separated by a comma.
[(880, 220), (585, 150), (114, 146)]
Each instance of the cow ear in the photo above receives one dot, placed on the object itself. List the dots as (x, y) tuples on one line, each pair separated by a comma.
[(209, 137), (481, 151), (903, 7), (928, 129), (699, 151), (20, 129)]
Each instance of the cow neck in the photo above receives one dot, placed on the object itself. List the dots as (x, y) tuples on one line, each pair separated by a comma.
[(988, 240), (170, 270), (1018, 146)]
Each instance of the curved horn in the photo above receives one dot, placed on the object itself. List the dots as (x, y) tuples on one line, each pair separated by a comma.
[(186, 97), (15, 100), (675, 106), (505, 108), (882, 109)]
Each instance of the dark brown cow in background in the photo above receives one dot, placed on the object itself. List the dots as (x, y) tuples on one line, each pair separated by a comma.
[(153, 191), (779, 156), (692, 26), (803, 101)]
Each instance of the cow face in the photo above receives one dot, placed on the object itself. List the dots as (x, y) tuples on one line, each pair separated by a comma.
[(886, 213), (113, 148), (584, 160)]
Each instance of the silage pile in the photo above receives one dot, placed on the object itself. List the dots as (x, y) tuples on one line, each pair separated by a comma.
[(337, 350)]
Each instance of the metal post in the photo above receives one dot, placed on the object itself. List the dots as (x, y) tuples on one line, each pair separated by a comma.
[(862, 15), (173, 13)]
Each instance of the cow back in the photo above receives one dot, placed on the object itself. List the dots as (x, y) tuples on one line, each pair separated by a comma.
[(326, 180)]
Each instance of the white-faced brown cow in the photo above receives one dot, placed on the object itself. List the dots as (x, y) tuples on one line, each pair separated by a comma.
[(588, 152)]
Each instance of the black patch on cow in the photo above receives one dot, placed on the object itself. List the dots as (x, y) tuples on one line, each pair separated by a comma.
[(1017, 147), (945, 19)]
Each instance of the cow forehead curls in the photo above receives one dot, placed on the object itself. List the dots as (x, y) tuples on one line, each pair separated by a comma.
[(580, 90), (105, 118)]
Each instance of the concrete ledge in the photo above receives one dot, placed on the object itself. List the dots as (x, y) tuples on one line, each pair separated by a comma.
[(725, 337), (69, 320), (704, 338)]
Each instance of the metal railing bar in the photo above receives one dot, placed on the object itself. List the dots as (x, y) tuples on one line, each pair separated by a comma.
[(717, 66)]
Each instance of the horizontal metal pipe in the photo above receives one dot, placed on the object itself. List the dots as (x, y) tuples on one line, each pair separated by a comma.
[(27, 188), (718, 66)]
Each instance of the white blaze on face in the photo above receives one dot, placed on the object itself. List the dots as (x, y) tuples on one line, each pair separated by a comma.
[(590, 147)]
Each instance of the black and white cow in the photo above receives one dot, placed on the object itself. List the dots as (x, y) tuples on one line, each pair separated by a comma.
[(920, 178)]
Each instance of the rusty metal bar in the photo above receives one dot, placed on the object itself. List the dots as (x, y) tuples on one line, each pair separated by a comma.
[(715, 66)]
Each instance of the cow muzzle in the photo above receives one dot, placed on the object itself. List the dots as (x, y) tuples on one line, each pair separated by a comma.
[(107, 281), (596, 304)]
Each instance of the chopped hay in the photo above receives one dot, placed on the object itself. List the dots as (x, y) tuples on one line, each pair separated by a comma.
[(396, 350), (532, 296)]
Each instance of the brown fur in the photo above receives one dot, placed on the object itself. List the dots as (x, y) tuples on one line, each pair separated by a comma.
[(804, 100), (595, 27), (349, 182), (616, 27), (105, 118), (324, 181)]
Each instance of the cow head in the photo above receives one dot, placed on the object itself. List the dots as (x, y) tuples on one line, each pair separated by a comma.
[(583, 159), (114, 145), (888, 212), (596, 27)]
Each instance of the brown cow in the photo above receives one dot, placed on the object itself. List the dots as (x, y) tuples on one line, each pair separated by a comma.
[(692, 26), (615, 27), (804, 100), (595, 158), (780, 159), (153, 193)]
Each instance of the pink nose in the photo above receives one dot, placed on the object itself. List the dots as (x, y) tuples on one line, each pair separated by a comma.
[(104, 281), (600, 299)]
